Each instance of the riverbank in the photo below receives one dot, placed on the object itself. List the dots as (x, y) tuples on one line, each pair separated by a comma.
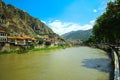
[(33, 49), (111, 51), (46, 48)]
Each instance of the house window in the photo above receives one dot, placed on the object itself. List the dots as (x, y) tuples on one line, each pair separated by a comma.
[(0, 34)]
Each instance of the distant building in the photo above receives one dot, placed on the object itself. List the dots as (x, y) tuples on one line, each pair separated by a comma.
[(21, 40), (16, 40), (3, 36), (12, 39)]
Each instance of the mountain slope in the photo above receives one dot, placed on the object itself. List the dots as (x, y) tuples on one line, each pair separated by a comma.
[(80, 34), (18, 22)]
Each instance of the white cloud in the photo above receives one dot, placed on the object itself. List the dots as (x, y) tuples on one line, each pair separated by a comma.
[(92, 22), (43, 21), (60, 27), (94, 10)]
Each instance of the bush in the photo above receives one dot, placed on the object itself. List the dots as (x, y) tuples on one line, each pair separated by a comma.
[(48, 43)]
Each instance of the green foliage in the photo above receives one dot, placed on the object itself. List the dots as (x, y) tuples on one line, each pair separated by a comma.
[(32, 46), (80, 34), (90, 39), (47, 48), (41, 41), (22, 50), (107, 26)]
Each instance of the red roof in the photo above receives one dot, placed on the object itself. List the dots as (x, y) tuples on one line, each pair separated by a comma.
[(11, 37), (19, 37), (2, 31), (26, 37), (23, 37)]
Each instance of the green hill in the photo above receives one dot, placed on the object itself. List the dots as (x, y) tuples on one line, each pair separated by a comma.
[(75, 35)]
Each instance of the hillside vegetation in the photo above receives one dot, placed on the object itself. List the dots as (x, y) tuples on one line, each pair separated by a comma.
[(18, 22), (77, 35), (107, 25)]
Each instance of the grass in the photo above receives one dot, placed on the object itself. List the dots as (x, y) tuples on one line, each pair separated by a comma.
[(47, 48), (7, 52), (27, 50)]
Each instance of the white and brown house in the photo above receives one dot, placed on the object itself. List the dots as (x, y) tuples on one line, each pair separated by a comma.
[(16, 40)]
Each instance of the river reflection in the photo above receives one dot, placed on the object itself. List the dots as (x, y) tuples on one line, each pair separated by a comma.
[(63, 64)]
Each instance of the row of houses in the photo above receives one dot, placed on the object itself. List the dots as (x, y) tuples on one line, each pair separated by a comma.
[(16, 40)]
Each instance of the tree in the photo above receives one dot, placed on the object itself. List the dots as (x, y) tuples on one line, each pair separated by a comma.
[(41, 41), (107, 26)]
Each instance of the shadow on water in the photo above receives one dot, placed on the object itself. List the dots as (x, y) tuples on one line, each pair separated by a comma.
[(100, 64)]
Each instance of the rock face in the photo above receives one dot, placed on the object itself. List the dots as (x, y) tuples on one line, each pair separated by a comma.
[(18, 22)]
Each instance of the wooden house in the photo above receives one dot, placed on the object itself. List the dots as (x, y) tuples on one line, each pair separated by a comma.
[(35, 41), (12, 40), (20, 41), (27, 39)]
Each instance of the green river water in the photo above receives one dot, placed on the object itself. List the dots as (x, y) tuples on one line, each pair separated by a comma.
[(79, 63)]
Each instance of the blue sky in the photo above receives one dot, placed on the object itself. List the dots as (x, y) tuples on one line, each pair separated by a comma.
[(63, 15)]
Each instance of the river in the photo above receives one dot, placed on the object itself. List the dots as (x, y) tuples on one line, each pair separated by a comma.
[(77, 63)]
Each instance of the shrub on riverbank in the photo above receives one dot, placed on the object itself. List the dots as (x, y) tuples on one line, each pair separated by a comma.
[(47, 48), (25, 50)]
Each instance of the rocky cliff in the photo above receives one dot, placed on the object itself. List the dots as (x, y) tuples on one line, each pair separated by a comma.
[(18, 22)]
